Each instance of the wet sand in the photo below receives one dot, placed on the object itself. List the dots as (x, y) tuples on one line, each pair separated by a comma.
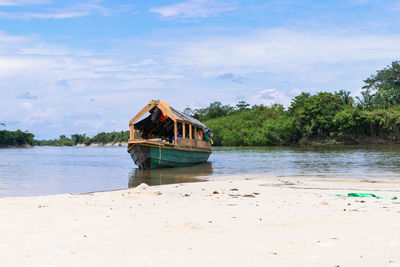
[(267, 221)]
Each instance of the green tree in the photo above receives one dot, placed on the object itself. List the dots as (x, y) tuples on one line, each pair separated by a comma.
[(367, 99), (383, 88), (189, 111), (313, 115), (15, 138), (242, 105), (214, 110), (258, 126), (345, 96), (79, 138)]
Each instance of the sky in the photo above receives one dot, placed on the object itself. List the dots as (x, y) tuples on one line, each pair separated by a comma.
[(71, 66)]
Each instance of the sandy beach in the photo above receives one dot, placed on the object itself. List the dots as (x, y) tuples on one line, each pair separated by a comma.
[(235, 221)]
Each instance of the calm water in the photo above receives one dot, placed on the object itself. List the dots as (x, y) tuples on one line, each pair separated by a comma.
[(54, 170)]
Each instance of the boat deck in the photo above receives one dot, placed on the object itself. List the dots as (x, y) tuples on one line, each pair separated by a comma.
[(182, 144)]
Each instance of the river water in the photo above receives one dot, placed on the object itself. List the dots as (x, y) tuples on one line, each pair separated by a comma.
[(55, 170)]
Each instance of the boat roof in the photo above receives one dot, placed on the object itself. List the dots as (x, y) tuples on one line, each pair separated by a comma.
[(173, 114)]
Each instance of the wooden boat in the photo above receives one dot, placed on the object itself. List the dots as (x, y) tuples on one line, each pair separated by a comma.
[(167, 138)]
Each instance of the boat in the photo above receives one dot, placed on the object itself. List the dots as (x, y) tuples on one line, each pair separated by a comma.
[(167, 137)]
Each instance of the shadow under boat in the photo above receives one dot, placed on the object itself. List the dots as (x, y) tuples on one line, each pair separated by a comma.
[(191, 174)]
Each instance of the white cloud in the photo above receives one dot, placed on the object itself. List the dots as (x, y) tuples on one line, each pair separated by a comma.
[(23, 2), (281, 50), (48, 113), (271, 96), (44, 49), (33, 114), (51, 15), (78, 10), (28, 106), (359, 2), (9, 39), (145, 62), (307, 56), (194, 9)]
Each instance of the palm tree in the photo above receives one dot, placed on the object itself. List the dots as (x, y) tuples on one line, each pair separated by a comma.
[(367, 99), (345, 96)]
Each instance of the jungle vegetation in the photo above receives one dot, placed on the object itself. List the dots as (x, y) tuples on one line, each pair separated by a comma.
[(76, 139), (321, 118), (16, 138)]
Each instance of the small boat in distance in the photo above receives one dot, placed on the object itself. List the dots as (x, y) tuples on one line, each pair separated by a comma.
[(167, 138)]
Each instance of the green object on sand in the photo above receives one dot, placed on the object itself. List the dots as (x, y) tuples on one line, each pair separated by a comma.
[(361, 195)]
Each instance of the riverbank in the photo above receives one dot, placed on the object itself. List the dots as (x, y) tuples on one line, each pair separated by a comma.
[(314, 142), (105, 144), (17, 146), (261, 221), (15, 139), (348, 141), (92, 144)]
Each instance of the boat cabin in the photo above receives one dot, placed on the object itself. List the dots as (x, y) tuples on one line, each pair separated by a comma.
[(167, 126)]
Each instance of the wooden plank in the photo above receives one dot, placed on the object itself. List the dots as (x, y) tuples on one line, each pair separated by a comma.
[(161, 105), (190, 131), (183, 144), (183, 130), (166, 110), (175, 131), (142, 112), (164, 107), (131, 132)]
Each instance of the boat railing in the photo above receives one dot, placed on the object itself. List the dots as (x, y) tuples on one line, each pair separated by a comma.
[(185, 142)]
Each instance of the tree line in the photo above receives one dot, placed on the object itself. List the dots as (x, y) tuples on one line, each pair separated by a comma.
[(82, 139), (15, 138), (319, 118)]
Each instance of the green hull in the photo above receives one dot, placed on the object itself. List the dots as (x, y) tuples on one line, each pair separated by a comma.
[(151, 157)]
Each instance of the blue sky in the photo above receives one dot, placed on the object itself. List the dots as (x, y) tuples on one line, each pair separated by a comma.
[(89, 66)]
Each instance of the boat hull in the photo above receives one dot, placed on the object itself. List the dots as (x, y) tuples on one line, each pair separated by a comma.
[(148, 156)]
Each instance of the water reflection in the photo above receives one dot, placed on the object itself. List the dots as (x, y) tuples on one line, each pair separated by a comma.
[(195, 173)]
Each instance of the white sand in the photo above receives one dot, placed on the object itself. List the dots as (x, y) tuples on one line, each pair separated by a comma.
[(289, 222)]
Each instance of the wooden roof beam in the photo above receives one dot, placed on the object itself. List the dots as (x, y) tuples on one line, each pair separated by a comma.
[(154, 103), (142, 112)]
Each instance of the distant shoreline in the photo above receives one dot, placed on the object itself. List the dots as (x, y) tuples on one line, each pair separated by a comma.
[(18, 146), (92, 144), (106, 144), (78, 145), (346, 140), (311, 143)]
